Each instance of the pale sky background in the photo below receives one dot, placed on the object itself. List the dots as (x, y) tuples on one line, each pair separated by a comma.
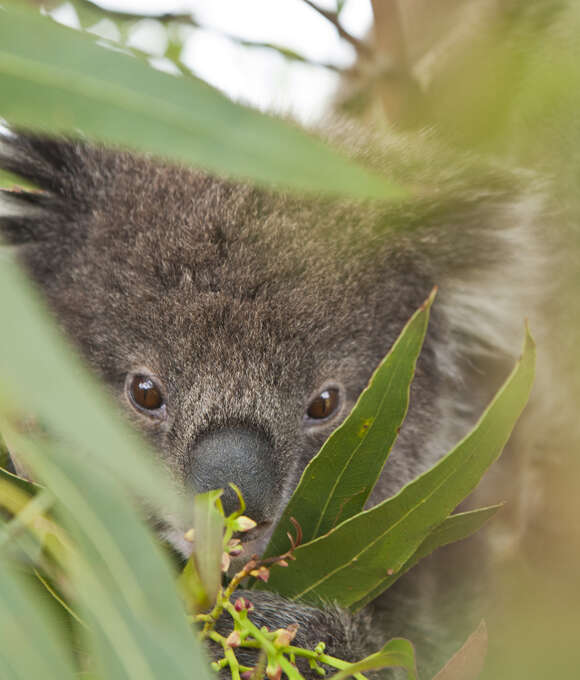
[(259, 77)]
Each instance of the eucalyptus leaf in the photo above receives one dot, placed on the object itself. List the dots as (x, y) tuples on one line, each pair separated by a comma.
[(338, 481), (16, 500), (208, 542), (61, 81), (454, 528), (94, 465), (397, 653), (191, 588), (24, 485), (44, 378), (357, 559), (123, 585), (32, 640)]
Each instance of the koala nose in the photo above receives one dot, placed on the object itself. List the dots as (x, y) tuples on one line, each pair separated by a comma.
[(240, 456)]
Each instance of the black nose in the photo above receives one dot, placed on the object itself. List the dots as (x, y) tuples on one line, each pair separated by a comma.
[(240, 456)]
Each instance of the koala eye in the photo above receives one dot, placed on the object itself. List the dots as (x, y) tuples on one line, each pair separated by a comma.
[(145, 394), (324, 405)]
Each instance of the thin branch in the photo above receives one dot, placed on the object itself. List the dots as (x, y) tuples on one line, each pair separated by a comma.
[(286, 52), (115, 15), (361, 47), (189, 20)]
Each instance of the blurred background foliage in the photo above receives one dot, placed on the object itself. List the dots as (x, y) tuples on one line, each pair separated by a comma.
[(498, 77)]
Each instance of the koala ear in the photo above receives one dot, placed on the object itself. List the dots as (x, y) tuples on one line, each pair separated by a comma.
[(58, 169), (490, 267)]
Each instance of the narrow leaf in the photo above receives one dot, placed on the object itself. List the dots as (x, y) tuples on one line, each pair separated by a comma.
[(13, 496), (59, 80), (25, 485), (338, 481), (32, 640), (454, 528), (397, 653), (192, 589), (123, 586), (359, 556), (35, 361), (207, 549)]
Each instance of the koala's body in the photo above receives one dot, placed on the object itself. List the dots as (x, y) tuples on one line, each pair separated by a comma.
[(237, 326)]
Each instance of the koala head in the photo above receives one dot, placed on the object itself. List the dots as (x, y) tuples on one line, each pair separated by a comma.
[(236, 326)]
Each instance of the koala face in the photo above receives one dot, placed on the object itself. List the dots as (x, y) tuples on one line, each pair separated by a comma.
[(236, 327)]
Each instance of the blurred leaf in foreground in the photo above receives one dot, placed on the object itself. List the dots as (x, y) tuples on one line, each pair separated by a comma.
[(58, 80)]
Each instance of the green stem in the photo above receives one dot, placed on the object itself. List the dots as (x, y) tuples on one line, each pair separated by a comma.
[(232, 662), (323, 658), (263, 642), (307, 654), (260, 640), (223, 599)]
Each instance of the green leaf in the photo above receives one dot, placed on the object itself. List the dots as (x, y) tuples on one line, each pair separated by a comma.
[(191, 588), (454, 528), (338, 481), (32, 640), (23, 484), (41, 376), (208, 543), (356, 560), (58, 80), (19, 501), (124, 588), (397, 653)]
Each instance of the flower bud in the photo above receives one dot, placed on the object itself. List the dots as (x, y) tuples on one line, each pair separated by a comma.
[(262, 573), (284, 636), (234, 639), (243, 523), (273, 672), (189, 535), (242, 604)]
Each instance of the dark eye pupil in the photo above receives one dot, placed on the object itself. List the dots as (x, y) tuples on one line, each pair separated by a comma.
[(145, 393), (324, 404)]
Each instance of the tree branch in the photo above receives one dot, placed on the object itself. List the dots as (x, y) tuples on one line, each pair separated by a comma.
[(115, 15), (189, 20), (361, 47)]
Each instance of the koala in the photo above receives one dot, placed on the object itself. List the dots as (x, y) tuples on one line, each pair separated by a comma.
[(236, 325)]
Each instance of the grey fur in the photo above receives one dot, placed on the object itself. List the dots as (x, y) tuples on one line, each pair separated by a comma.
[(246, 304)]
